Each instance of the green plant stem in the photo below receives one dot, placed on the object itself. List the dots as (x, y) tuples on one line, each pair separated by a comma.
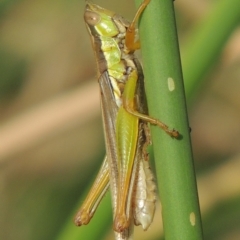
[(166, 101), (207, 41)]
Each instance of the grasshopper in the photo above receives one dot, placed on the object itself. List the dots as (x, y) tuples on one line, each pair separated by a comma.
[(125, 120)]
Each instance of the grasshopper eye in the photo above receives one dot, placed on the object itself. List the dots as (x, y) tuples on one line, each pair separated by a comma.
[(92, 18)]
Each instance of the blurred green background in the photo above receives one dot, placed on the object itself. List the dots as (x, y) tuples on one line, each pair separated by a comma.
[(51, 138)]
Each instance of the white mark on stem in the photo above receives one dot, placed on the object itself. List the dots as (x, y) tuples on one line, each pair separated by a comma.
[(171, 84), (192, 218)]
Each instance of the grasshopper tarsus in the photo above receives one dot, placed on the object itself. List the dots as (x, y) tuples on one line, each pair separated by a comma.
[(173, 133), (120, 223), (82, 218)]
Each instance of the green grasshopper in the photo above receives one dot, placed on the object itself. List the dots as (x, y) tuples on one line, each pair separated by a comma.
[(125, 120)]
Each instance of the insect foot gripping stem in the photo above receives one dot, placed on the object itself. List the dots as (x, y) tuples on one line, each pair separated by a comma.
[(173, 133), (120, 223), (82, 218)]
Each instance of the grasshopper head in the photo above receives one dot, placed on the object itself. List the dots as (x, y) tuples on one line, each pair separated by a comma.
[(100, 21)]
